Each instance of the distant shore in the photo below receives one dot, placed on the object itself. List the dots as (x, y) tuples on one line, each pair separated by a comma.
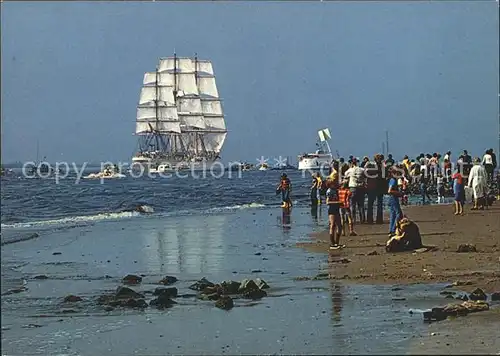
[(364, 259)]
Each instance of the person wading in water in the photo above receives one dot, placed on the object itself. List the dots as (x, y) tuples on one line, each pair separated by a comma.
[(285, 187)]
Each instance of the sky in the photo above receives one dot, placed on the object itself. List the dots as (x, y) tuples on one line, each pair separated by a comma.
[(425, 71)]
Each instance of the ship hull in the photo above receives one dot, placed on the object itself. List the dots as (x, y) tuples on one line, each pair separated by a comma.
[(315, 162), (172, 166)]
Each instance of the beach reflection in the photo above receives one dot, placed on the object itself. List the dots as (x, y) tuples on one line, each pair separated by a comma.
[(337, 291), (192, 245)]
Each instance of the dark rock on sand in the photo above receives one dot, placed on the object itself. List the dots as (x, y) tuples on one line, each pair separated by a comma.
[(42, 276), (56, 253), (247, 285), (123, 297), (373, 253), (132, 279), (466, 248), (125, 292), (169, 292), (495, 296), (478, 294), (167, 280), (461, 309), (72, 299), (163, 301), (201, 284), (445, 292), (230, 287), (254, 294), (261, 283), (224, 302)]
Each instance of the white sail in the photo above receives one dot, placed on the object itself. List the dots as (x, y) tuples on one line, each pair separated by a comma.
[(149, 126), (190, 105), (169, 126), (204, 67), (165, 95), (192, 120), (195, 111), (214, 141), (164, 79), (186, 82), (183, 65), (208, 87), (211, 107), (148, 112), (215, 122), (142, 127)]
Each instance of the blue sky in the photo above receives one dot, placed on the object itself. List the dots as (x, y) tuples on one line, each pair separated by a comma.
[(425, 71)]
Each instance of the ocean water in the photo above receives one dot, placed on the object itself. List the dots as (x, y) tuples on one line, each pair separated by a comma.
[(89, 237)]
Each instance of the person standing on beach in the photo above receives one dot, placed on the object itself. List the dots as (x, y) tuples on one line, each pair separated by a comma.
[(394, 206), (315, 189), (478, 182), (459, 192), (376, 186), (488, 164), (334, 219), (440, 188), (356, 176)]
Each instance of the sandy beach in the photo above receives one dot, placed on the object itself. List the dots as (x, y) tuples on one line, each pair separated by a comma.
[(365, 260)]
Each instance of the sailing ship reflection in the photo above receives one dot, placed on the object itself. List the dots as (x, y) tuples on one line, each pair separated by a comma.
[(189, 245)]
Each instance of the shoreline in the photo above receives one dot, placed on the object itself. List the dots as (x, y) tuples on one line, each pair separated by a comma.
[(364, 260)]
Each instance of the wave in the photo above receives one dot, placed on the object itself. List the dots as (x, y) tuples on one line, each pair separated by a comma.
[(130, 211), (237, 207), (73, 220)]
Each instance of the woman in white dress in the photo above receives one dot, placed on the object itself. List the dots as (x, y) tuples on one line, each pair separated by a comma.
[(478, 179)]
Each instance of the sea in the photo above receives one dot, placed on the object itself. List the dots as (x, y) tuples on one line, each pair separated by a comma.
[(84, 236)]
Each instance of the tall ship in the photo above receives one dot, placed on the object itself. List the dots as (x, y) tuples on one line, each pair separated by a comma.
[(322, 158), (180, 121)]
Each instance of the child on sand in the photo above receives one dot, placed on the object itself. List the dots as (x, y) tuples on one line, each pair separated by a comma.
[(345, 209), (459, 192)]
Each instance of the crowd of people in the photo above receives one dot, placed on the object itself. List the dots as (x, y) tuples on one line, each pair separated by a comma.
[(351, 183)]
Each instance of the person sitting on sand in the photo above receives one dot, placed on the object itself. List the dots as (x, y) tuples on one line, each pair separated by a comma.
[(459, 192), (285, 187), (395, 213), (407, 238), (478, 179), (345, 195), (334, 219)]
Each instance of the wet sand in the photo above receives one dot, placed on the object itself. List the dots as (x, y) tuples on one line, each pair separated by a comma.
[(439, 227), (447, 337), (304, 317)]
